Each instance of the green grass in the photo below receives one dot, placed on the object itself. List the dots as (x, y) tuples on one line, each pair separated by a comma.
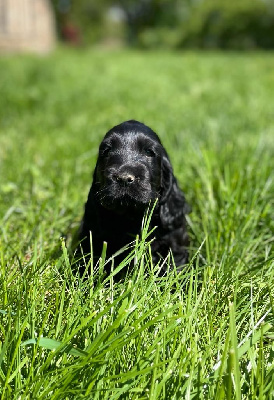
[(206, 333)]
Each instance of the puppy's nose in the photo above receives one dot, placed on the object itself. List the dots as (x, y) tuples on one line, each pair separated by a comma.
[(125, 178)]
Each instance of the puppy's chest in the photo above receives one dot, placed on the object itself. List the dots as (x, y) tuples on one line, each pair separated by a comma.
[(119, 229)]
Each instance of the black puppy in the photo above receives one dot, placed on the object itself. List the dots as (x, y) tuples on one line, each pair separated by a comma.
[(132, 171)]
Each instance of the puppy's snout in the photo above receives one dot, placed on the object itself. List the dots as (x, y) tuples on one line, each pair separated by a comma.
[(127, 174), (124, 178)]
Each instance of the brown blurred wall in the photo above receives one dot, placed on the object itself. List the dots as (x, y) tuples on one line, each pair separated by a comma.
[(26, 26)]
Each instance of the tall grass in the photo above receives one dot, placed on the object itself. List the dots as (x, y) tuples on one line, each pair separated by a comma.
[(205, 333)]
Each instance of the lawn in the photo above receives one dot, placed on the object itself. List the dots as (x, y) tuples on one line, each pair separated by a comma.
[(206, 333)]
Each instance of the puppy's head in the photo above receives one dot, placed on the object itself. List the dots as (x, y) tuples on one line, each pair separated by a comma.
[(129, 169)]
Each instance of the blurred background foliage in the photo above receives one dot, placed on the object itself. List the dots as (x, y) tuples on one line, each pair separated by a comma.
[(175, 24)]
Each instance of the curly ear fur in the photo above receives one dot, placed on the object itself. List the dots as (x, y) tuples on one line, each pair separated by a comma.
[(173, 205)]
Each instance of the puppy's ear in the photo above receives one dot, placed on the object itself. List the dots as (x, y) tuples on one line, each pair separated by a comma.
[(173, 205), (90, 221), (94, 185), (166, 178)]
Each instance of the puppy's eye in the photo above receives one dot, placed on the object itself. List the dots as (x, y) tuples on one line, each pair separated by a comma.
[(105, 150), (149, 153)]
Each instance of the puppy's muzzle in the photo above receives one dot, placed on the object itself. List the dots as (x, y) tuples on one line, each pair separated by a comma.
[(127, 175), (124, 179)]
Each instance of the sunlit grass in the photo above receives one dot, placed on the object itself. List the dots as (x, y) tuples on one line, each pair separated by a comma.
[(206, 333)]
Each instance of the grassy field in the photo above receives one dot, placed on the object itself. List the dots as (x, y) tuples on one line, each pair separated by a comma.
[(206, 333)]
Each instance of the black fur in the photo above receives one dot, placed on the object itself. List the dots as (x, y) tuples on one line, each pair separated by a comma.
[(133, 170)]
